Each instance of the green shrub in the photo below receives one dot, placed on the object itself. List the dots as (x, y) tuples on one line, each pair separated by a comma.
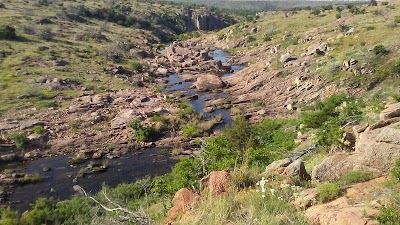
[(20, 139), (221, 37), (396, 171), (146, 134), (380, 50), (46, 34), (43, 2), (7, 32), (390, 212), (136, 66), (251, 39), (397, 19), (389, 216), (269, 34), (8, 217), (142, 133), (191, 130), (328, 192), (185, 111), (338, 16), (396, 68), (38, 129), (316, 12), (356, 177)]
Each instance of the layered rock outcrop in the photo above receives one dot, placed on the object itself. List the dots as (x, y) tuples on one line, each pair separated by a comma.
[(376, 151)]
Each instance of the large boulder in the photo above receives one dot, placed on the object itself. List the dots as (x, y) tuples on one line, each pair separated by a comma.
[(208, 82), (182, 202), (217, 182), (376, 151)]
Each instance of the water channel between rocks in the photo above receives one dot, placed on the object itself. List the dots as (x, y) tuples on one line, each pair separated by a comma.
[(58, 182)]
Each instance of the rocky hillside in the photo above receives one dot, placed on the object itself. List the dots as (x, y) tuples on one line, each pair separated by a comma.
[(313, 95)]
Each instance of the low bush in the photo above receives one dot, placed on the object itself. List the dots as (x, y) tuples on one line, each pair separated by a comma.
[(396, 68), (20, 139), (356, 177), (38, 129), (142, 133), (380, 50), (7, 32), (45, 34), (328, 192), (136, 66), (191, 130), (2, 6), (390, 211), (316, 12)]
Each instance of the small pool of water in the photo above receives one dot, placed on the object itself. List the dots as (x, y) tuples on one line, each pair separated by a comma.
[(58, 182)]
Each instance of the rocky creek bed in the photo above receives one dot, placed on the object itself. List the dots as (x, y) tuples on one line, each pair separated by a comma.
[(58, 176)]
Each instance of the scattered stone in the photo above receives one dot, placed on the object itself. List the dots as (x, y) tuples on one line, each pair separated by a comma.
[(287, 58)]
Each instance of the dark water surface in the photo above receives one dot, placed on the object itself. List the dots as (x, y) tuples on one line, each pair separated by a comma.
[(58, 182)]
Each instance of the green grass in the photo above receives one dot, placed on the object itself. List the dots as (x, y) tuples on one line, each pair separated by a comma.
[(356, 177), (242, 207)]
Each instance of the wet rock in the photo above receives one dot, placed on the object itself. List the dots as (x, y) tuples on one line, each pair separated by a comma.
[(78, 189)]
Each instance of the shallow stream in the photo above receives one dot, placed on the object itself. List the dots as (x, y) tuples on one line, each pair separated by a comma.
[(59, 180)]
